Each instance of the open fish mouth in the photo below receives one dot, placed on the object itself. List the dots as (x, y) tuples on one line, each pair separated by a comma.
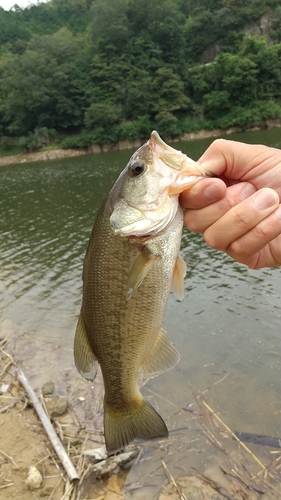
[(155, 176)]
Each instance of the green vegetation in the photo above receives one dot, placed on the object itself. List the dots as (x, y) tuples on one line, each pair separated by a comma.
[(78, 72)]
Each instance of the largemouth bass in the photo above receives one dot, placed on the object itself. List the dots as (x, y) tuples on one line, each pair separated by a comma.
[(131, 264)]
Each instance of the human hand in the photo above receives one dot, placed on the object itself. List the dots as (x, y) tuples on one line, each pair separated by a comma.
[(239, 212)]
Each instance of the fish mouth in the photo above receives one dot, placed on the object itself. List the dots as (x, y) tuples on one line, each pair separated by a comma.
[(189, 170)]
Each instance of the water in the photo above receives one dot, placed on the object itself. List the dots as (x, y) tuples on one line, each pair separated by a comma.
[(227, 329)]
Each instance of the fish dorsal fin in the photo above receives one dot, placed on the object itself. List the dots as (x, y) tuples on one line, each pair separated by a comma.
[(162, 357), (140, 268), (178, 277), (85, 360)]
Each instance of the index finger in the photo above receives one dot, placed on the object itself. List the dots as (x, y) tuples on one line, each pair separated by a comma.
[(234, 159), (203, 193)]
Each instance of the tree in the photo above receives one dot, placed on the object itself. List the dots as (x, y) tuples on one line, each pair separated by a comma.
[(102, 114), (169, 93), (12, 28), (36, 87), (109, 26)]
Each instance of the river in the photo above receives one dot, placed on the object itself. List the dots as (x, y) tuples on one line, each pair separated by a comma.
[(227, 329)]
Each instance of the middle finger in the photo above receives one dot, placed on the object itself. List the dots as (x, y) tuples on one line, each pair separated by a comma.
[(199, 220)]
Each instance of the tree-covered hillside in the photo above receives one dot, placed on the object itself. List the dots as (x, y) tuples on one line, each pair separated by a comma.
[(96, 71)]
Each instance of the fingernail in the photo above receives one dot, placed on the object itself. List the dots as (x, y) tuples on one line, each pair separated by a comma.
[(213, 191), (247, 191), (266, 198)]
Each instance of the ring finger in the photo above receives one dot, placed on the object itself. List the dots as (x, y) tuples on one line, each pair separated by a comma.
[(241, 218)]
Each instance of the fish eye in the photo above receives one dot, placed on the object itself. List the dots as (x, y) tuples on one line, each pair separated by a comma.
[(136, 168)]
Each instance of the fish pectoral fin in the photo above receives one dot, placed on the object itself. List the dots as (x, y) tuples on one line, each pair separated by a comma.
[(85, 360), (140, 268), (137, 421), (162, 357), (178, 278)]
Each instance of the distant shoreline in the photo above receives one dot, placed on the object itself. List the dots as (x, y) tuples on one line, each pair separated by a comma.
[(126, 144)]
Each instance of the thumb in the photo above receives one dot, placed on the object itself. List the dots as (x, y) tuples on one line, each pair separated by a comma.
[(230, 158)]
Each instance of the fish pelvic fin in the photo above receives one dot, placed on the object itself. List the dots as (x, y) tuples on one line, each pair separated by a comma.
[(85, 360), (162, 357), (140, 268), (123, 426), (178, 278)]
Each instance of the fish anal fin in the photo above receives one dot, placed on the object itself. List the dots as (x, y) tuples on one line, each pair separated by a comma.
[(139, 421), (85, 360), (162, 357), (140, 268), (178, 278)]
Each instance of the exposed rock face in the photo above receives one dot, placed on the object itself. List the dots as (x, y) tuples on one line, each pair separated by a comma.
[(210, 53), (261, 28)]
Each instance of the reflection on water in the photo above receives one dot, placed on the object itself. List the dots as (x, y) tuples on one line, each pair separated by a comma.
[(227, 329)]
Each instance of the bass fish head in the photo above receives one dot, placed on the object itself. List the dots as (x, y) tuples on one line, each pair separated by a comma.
[(149, 188)]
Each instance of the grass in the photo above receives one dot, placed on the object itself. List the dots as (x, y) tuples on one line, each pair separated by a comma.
[(10, 150)]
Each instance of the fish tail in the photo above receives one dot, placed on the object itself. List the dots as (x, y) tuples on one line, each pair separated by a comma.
[(122, 427)]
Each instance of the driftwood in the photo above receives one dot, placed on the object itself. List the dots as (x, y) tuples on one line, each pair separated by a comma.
[(58, 447)]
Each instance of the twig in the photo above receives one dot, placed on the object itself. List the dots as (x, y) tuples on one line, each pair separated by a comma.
[(6, 486), (208, 389), (74, 417), (179, 409), (234, 435), (268, 468), (10, 458), (212, 437), (172, 480), (199, 403), (68, 491), (6, 368), (59, 449), (8, 355), (55, 488), (5, 408)]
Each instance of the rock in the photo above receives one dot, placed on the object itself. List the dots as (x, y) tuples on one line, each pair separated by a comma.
[(56, 405), (4, 388), (48, 388), (96, 454), (34, 478)]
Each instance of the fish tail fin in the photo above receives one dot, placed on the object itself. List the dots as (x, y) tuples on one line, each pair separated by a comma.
[(122, 427)]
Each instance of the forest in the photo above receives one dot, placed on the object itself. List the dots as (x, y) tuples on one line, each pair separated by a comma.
[(80, 72)]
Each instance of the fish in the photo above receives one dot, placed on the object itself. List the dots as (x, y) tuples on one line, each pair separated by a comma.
[(131, 264)]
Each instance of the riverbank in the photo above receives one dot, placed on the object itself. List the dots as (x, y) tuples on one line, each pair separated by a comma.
[(126, 144), (30, 468)]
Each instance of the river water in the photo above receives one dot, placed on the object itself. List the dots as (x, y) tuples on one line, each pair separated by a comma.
[(227, 329)]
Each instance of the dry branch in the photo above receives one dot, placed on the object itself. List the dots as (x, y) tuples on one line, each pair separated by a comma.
[(59, 449)]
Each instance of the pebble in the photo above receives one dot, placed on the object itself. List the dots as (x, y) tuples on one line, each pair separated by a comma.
[(34, 478), (56, 405), (48, 388)]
